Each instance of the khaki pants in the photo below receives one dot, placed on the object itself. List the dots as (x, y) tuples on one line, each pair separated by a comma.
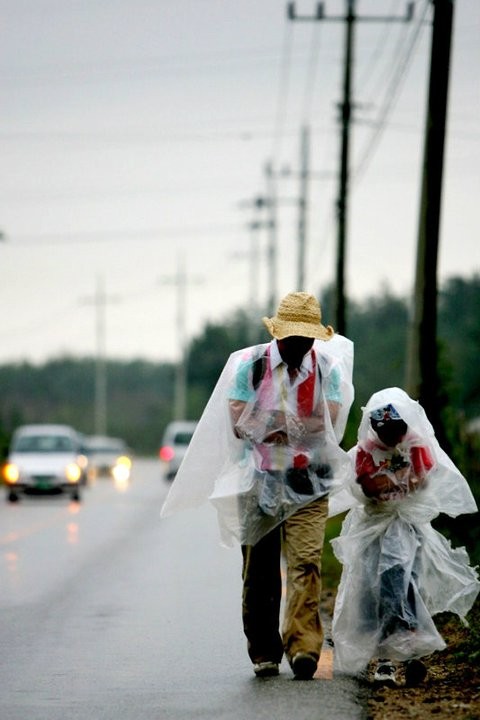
[(301, 536)]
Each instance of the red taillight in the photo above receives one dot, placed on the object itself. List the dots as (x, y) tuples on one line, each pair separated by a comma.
[(166, 453)]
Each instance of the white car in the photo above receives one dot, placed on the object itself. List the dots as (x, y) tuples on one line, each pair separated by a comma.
[(176, 440), (44, 458), (107, 457)]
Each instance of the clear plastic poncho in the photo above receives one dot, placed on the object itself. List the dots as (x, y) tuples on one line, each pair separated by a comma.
[(251, 493), (398, 571)]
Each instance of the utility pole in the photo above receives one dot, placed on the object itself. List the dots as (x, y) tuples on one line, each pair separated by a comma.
[(305, 175), (180, 395), (254, 227), (180, 281), (267, 202), (100, 300), (303, 205), (254, 259), (271, 205), (422, 373), (271, 202), (346, 106), (100, 363), (342, 200)]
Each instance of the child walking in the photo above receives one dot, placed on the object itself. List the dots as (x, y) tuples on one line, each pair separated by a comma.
[(398, 571)]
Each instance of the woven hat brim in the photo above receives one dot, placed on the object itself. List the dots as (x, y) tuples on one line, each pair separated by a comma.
[(280, 329)]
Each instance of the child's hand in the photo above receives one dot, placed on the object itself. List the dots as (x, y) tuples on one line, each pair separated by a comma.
[(386, 486), (402, 478), (407, 481), (376, 485)]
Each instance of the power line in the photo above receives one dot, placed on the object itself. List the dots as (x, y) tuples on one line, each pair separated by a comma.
[(282, 94), (311, 74), (377, 50), (391, 95), (142, 135), (348, 19), (67, 238), (125, 70)]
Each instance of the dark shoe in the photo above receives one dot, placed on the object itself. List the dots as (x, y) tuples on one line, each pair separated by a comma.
[(265, 669), (385, 673), (304, 666), (415, 673)]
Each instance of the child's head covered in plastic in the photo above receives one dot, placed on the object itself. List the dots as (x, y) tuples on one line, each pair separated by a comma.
[(387, 422)]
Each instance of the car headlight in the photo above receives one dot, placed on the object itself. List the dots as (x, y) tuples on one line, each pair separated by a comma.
[(73, 473), (124, 460), (11, 473), (82, 460), (121, 469)]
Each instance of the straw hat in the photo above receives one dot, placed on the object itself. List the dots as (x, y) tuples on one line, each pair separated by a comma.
[(298, 314)]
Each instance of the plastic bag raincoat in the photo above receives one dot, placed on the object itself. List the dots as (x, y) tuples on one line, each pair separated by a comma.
[(398, 571), (250, 493)]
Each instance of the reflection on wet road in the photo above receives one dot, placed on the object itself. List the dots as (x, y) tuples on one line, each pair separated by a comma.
[(110, 613)]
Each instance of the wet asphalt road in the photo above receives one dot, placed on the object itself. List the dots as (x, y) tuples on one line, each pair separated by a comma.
[(108, 613)]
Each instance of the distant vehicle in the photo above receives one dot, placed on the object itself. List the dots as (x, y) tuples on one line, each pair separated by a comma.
[(175, 442), (44, 458), (107, 456)]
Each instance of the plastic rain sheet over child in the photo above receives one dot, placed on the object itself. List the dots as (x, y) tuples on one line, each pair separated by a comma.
[(398, 571)]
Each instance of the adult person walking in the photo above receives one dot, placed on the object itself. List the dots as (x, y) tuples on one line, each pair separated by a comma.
[(270, 435)]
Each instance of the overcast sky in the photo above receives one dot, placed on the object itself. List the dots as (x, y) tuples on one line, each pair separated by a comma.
[(135, 133)]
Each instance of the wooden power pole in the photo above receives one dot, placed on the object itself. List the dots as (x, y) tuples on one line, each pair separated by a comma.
[(422, 373), (349, 18), (303, 206)]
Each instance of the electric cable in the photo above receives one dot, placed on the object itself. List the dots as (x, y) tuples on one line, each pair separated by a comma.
[(391, 95), (311, 73), (282, 94), (379, 49)]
